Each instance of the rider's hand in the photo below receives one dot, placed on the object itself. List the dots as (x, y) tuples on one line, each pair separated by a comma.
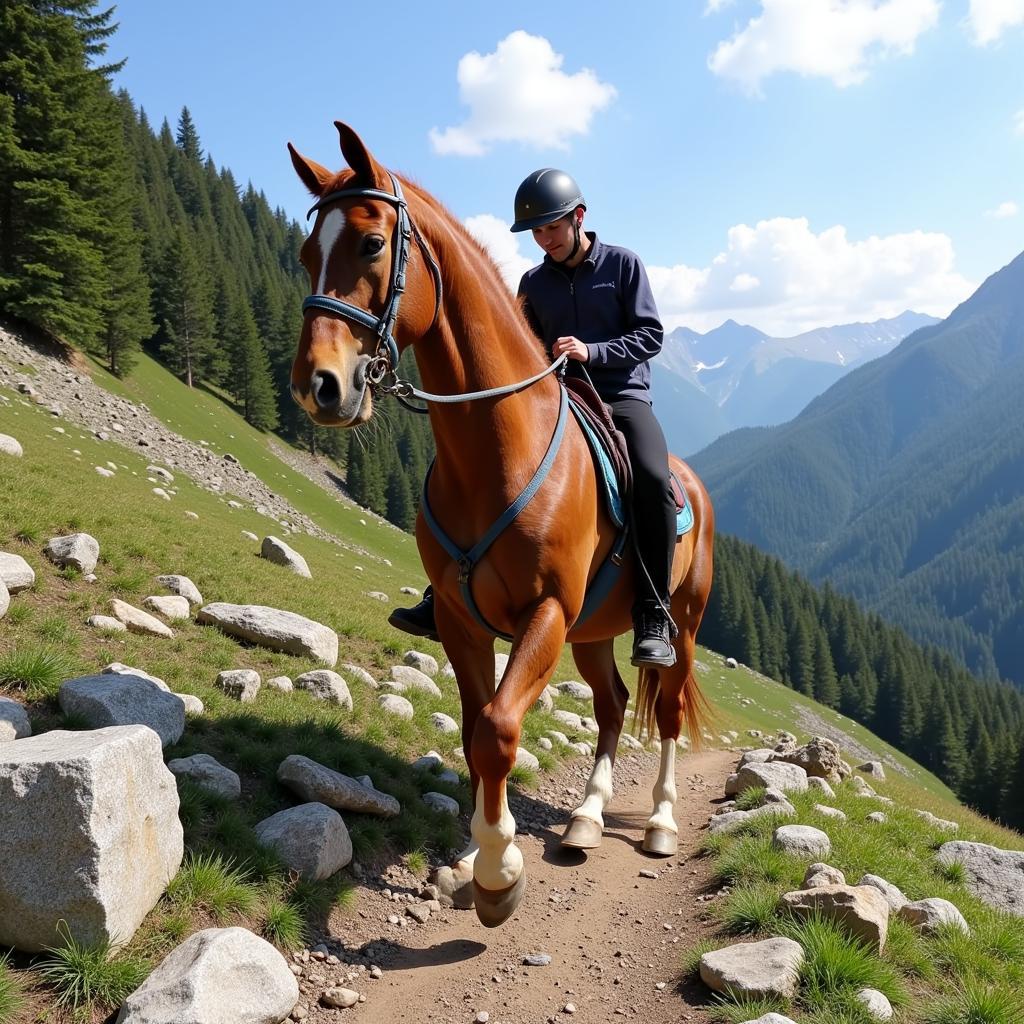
[(572, 347)]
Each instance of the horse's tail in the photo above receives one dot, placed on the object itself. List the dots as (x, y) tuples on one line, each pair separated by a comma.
[(696, 709)]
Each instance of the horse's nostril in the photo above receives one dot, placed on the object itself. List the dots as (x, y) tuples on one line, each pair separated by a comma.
[(326, 390)]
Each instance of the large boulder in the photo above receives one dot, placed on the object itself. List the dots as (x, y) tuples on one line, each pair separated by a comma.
[(310, 839), (14, 723), (860, 910), (273, 628), (993, 875), (209, 774), (216, 975), (183, 587), (754, 970), (10, 446), (107, 700), (78, 550), (89, 834), (820, 757), (323, 684), (802, 841), (893, 896), (16, 573), (317, 783), (760, 755), (276, 551), (928, 916), (790, 778), (116, 668)]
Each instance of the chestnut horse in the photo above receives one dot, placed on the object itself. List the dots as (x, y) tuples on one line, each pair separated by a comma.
[(376, 238)]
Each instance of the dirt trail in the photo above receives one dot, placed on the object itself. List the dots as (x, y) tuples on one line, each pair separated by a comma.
[(612, 935)]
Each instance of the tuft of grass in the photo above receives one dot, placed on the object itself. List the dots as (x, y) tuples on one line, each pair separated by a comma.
[(318, 899), (749, 910), (18, 614), (689, 963), (907, 951), (282, 924), (954, 872), (38, 671), (957, 954), (368, 838), (29, 533), (208, 882), (751, 798), (87, 977), (11, 1000), (416, 861), (753, 859), (740, 1009), (56, 630), (976, 1003)]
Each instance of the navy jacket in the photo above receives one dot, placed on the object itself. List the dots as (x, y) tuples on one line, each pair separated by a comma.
[(609, 306)]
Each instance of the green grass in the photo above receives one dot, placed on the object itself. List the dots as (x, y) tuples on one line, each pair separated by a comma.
[(751, 798), (283, 924), (11, 1000), (750, 910), (38, 671), (737, 1010), (85, 978), (689, 963), (207, 882), (977, 1003)]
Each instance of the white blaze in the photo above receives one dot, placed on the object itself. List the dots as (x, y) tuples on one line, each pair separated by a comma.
[(330, 231)]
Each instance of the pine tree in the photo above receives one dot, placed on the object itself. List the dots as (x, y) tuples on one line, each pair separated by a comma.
[(186, 308), (187, 137), (249, 375), (1013, 798), (826, 686)]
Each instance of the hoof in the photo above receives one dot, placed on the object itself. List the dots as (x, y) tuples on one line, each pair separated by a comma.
[(660, 842), (496, 907), (455, 885), (582, 834)]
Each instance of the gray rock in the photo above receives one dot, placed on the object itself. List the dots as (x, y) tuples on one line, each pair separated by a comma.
[(928, 916), (995, 876), (877, 817), (183, 587), (275, 629), (413, 679), (940, 823), (164, 475), (444, 723), (249, 535), (325, 685), (103, 471), (860, 910), (875, 1003), (378, 595), (524, 759), (108, 700), (754, 969), (78, 550), (10, 446), (424, 662), (170, 607), (772, 1018), (860, 787), (338, 998), (589, 725), (537, 960), (16, 573), (209, 774), (418, 912), (310, 839), (819, 874), (139, 621), (14, 721), (558, 737), (450, 776), (410, 591), (818, 783), (819, 757), (218, 974), (280, 683), (790, 778), (243, 684), (395, 705), (568, 718), (107, 622), (116, 668), (731, 782), (759, 756), (276, 551), (830, 812), (802, 841), (576, 690), (429, 762), (876, 771), (443, 803), (892, 894), (89, 834), (354, 672), (731, 819), (315, 782), (193, 705)]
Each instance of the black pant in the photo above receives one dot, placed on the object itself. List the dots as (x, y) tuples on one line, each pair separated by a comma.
[(654, 505)]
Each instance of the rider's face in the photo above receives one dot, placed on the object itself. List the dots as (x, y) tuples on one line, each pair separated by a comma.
[(558, 237)]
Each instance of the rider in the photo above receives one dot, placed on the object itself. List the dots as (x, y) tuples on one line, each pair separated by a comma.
[(593, 303)]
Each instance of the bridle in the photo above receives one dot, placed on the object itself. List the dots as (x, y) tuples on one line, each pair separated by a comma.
[(381, 371)]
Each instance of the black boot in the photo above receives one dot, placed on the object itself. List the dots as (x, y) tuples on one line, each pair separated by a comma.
[(418, 620), (652, 637)]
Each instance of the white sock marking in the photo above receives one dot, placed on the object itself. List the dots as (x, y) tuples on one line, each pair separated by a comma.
[(665, 790), (598, 791)]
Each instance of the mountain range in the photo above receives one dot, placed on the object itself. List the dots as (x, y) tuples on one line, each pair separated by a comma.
[(705, 385), (903, 483)]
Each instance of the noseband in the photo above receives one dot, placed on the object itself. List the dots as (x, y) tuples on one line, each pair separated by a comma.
[(384, 362)]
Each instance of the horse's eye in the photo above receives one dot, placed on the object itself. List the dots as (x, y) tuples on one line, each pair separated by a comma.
[(372, 245)]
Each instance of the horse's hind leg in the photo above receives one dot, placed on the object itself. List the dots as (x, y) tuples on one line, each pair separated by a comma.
[(596, 662)]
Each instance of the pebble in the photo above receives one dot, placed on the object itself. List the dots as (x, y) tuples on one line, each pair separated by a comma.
[(537, 959), (645, 873), (569, 1008), (482, 1017)]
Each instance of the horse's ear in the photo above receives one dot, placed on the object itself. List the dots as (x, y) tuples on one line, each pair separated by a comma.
[(313, 176), (358, 157)]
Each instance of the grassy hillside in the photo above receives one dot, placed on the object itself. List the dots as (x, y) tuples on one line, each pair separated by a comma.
[(43, 640)]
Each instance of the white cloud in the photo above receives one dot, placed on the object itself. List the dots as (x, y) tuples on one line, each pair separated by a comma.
[(519, 93), (714, 6), (1004, 210), (494, 235), (1018, 122), (805, 280), (989, 19), (834, 39)]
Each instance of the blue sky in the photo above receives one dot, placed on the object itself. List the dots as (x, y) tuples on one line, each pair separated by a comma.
[(789, 163)]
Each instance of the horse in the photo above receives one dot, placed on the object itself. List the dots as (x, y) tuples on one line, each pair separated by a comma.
[(379, 238)]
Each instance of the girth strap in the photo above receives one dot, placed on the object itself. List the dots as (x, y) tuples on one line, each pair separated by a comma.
[(467, 560)]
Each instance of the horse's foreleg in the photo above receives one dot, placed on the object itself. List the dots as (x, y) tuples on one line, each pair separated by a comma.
[(472, 657), (499, 878), (596, 662)]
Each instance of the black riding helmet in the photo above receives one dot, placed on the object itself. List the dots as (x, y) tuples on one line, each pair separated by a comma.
[(545, 196)]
